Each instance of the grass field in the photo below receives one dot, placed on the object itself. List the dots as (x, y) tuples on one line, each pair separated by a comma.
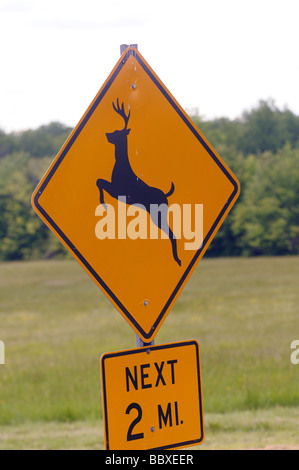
[(56, 324)]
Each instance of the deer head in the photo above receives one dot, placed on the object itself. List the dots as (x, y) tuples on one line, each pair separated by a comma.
[(116, 136)]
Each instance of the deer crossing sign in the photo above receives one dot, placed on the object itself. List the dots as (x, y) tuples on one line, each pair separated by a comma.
[(136, 194)]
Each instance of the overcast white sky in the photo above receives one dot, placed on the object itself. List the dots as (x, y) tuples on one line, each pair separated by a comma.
[(220, 56)]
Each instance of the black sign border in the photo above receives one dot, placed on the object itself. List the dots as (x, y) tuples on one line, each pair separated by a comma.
[(147, 335)]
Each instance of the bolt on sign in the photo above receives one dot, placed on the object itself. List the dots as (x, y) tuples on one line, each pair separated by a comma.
[(136, 194), (152, 397)]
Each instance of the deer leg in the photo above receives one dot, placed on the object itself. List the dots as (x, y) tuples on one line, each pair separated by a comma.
[(104, 185), (99, 185), (174, 247), (160, 219)]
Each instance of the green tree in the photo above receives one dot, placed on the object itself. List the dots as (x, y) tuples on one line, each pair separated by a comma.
[(22, 233), (267, 220), (42, 142), (266, 128), (261, 148)]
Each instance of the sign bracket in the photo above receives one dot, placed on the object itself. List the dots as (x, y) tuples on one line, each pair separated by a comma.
[(142, 344), (123, 47)]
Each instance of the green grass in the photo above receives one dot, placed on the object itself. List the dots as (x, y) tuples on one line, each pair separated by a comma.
[(276, 428), (56, 324)]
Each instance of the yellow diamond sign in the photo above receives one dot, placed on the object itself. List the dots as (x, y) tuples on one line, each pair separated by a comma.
[(136, 194)]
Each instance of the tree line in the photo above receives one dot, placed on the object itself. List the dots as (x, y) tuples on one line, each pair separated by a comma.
[(261, 148)]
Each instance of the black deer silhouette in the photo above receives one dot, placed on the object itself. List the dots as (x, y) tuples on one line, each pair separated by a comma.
[(124, 182)]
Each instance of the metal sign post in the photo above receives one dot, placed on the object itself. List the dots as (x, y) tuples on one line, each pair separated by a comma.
[(140, 342)]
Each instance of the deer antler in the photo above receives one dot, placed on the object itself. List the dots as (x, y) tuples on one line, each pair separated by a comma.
[(121, 112)]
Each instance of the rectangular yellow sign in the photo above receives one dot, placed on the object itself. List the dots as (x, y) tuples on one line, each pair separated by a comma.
[(152, 397)]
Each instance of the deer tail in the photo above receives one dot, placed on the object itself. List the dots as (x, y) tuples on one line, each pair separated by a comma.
[(171, 191)]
